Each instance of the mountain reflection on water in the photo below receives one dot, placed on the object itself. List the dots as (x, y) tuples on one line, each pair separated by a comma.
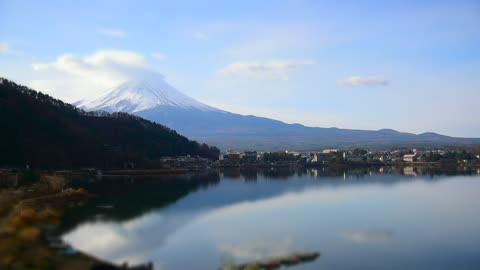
[(383, 218)]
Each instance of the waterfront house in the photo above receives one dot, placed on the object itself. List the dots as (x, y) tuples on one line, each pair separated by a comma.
[(249, 157), (230, 159), (321, 158), (410, 157)]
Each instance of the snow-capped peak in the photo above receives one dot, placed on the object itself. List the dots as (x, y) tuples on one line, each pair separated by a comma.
[(143, 93)]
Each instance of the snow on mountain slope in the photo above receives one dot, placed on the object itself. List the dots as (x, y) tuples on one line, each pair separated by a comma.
[(143, 93)]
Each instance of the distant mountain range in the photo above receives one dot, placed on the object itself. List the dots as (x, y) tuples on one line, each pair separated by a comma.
[(152, 98), (44, 132)]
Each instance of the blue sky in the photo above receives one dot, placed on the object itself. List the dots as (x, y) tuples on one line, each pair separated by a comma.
[(408, 65)]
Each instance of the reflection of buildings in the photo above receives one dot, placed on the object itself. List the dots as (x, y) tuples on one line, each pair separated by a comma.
[(231, 173), (249, 174), (410, 171)]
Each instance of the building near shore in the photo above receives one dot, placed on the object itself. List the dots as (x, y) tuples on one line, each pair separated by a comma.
[(249, 157), (230, 159), (410, 157), (321, 158)]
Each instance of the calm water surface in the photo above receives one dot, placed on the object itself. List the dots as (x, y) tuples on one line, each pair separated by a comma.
[(359, 220)]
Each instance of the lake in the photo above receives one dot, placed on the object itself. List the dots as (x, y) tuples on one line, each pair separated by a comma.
[(357, 219)]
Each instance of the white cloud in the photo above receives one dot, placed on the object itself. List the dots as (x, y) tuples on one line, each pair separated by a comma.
[(72, 77), (4, 47), (363, 81), (200, 36), (122, 57), (116, 33), (159, 56), (274, 69)]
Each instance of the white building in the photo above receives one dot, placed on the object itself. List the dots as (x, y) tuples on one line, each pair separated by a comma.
[(410, 157)]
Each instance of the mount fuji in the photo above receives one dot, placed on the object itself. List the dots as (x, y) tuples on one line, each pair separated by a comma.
[(152, 98), (144, 93)]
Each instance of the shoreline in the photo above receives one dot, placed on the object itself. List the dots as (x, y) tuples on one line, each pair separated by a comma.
[(29, 215)]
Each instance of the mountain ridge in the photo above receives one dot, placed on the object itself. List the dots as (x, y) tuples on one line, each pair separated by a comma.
[(235, 131)]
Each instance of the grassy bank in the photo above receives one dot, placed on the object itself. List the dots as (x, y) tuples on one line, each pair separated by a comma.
[(27, 214)]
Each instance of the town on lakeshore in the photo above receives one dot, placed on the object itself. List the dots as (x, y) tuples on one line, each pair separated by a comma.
[(335, 158), (327, 157)]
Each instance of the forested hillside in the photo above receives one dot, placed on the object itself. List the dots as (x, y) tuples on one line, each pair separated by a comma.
[(44, 132)]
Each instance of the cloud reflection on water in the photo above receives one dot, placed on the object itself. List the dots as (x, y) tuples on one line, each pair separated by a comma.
[(257, 226), (254, 250), (141, 238), (367, 235)]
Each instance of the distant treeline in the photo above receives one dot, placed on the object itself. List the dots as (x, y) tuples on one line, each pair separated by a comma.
[(43, 132)]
